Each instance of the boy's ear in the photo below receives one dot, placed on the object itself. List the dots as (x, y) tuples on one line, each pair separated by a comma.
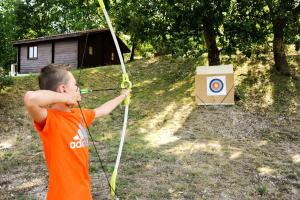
[(61, 88)]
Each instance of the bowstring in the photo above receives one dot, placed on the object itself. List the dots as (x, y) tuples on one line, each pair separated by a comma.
[(89, 132)]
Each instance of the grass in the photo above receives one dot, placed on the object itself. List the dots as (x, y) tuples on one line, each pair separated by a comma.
[(262, 189), (174, 149)]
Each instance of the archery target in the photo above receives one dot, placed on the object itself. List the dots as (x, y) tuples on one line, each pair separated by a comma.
[(216, 85)]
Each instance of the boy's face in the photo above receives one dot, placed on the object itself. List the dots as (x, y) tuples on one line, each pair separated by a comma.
[(71, 86)]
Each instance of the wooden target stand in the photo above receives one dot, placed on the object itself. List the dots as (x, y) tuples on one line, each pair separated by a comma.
[(214, 85)]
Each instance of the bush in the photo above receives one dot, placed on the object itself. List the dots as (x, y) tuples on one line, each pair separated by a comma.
[(5, 79)]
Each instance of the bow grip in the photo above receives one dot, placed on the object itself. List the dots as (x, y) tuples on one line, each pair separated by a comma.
[(126, 84)]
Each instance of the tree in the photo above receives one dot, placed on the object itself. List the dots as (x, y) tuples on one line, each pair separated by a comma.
[(282, 12), (246, 28), (45, 17), (7, 33), (254, 22), (213, 18), (5, 79), (145, 21), (131, 17), (203, 18)]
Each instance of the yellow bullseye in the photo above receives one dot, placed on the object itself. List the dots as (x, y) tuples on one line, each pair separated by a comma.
[(216, 85)]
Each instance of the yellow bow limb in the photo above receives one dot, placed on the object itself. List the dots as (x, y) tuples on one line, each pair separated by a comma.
[(101, 3), (113, 184)]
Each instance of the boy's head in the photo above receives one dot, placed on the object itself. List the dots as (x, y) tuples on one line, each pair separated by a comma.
[(52, 76), (56, 77)]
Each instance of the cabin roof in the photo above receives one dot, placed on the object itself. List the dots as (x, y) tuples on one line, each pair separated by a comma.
[(67, 36)]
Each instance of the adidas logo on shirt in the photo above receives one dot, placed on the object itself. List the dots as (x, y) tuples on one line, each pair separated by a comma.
[(80, 140)]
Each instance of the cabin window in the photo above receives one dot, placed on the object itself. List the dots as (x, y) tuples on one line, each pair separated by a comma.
[(112, 56), (91, 50), (32, 52)]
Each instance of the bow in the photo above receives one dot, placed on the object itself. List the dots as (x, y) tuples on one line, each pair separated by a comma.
[(126, 84)]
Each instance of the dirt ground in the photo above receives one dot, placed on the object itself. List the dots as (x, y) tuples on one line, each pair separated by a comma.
[(174, 150), (217, 153)]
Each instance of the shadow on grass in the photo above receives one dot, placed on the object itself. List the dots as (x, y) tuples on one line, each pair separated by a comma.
[(213, 153)]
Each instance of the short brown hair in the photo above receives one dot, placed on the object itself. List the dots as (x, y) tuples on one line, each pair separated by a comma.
[(53, 75)]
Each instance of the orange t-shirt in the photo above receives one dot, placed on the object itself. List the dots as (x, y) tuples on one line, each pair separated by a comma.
[(65, 143)]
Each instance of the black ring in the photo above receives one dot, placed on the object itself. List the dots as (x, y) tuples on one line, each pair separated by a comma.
[(216, 91)]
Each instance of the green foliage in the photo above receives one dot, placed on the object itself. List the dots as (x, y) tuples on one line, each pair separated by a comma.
[(138, 19), (5, 79), (146, 50), (246, 27), (179, 27), (40, 18), (188, 46), (252, 26), (7, 33)]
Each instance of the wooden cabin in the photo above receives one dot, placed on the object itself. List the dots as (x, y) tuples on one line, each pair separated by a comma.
[(100, 50)]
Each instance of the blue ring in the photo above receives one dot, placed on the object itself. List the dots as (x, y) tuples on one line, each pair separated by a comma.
[(212, 82)]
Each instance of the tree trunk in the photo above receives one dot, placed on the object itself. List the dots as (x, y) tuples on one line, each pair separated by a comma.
[(281, 64), (211, 44), (162, 48), (132, 51)]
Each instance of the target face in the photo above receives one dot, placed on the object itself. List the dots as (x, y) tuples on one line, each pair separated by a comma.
[(216, 85)]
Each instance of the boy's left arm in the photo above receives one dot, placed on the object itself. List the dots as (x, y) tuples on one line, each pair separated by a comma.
[(109, 106)]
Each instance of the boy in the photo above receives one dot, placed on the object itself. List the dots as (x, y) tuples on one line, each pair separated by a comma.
[(63, 132)]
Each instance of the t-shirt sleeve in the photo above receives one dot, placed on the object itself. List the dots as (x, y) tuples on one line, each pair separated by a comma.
[(89, 116), (43, 127)]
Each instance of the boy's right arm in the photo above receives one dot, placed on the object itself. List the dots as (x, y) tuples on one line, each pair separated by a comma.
[(36, 101)]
